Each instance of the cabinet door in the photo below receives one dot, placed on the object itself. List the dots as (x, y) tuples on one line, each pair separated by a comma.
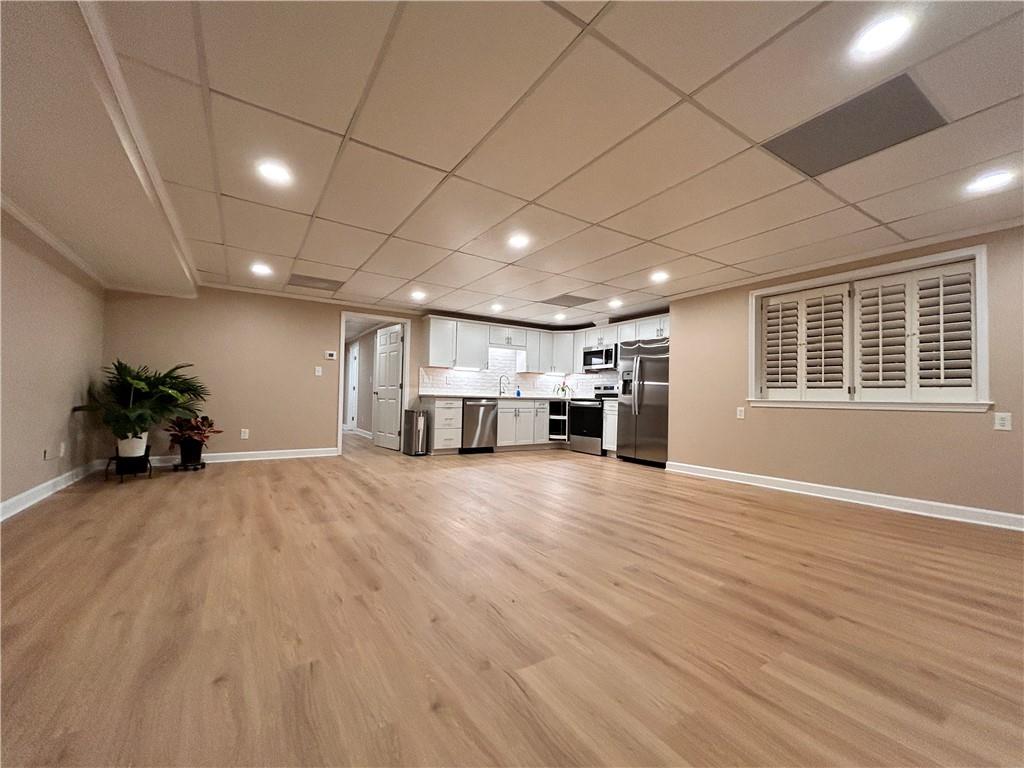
[(626, 332), (611, 428), (533, 352), (517, 336), (524, 425), (540, 423), (471, 345), (561, 354), (579, 340), (498, 335), (664, 325), (609, 335), (547, 351), (506, 426), (441, 342), (647, 328), (594, 337)]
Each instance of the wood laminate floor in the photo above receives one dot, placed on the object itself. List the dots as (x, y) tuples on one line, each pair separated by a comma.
[(543, 608)]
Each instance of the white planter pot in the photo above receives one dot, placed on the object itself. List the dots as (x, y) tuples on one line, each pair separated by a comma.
[(133, 446)]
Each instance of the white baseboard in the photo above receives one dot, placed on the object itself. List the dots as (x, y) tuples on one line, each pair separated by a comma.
[(360, 432), (22, 501), (26, 499), (868, 498)]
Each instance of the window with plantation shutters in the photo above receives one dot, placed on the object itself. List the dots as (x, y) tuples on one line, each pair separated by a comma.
[(905, 337)]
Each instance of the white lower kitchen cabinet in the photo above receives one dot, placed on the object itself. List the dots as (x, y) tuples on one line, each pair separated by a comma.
[(540, 423), (523, 423), (610, 428), (445, 422), (506, 426)]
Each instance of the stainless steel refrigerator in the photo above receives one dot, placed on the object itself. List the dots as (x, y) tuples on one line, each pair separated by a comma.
[(643, 401)]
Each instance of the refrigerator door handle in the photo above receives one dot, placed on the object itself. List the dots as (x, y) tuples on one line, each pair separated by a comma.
[(637, 383)]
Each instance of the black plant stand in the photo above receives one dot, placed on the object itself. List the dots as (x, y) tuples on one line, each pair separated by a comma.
[(191, 456), (129, 465)]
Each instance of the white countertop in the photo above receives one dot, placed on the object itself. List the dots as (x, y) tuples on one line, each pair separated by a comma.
[(462, 395)]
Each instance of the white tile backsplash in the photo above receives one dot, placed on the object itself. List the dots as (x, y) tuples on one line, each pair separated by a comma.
[(445, 381)]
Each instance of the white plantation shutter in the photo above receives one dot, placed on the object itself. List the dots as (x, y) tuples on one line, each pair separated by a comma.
[(882, 359), (945, 329), (780, 339), (825, 341)]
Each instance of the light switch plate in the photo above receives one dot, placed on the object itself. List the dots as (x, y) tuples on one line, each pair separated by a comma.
[(1003, 422), (318, 370), (741, 413), (244, 434)]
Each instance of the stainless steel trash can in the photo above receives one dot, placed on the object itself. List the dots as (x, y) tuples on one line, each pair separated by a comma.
[(414, 432)]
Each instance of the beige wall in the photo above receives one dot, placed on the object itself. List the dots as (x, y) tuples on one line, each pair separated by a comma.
[(955, 458), (52, 326)]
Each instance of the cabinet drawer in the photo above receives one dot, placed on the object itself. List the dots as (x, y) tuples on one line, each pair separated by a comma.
[(447, 438), (448, 404), (448, 418)]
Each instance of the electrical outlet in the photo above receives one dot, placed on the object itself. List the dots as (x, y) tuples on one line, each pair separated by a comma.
[(1003, 422), (244, 434), (741, 413), (318, 370), (330, 355)]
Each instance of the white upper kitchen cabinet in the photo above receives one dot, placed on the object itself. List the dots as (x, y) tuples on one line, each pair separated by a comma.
[(532, 353), (502, 336), (664, 326), (471, 345), (602, 336), (579, 341), (441, 342), (562, 356), (626, 332), (652, 327), (547, 342)]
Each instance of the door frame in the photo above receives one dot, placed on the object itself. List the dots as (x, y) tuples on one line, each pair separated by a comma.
[(406, 324), (351, 369)]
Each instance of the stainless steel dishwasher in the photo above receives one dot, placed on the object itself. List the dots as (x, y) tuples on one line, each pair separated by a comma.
[(479, 425)]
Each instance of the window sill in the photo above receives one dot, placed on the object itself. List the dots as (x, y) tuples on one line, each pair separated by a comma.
[(860, 405)]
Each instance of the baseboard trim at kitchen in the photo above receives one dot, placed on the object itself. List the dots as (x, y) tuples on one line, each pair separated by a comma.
[(26, 499), (358, 431), (216, 458), (868, 498)]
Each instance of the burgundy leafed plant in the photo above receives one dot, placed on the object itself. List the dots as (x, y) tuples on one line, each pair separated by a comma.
[(198, 428)]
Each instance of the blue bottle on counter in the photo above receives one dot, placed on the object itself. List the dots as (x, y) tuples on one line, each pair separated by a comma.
[(519, 392)]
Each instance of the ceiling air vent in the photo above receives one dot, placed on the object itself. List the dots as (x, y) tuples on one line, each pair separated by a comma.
[(568, 300), (893, 112), (320, 283)]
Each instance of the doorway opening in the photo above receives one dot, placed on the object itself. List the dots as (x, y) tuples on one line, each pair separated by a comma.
[(372, 395)]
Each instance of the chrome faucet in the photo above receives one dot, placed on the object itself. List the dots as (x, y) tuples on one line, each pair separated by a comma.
[(501, 384)]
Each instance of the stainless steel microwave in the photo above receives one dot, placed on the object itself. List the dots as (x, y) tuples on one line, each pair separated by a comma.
[(599, 358)]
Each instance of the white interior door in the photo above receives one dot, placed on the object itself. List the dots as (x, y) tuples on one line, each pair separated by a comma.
[(387, 388), (352, 382)]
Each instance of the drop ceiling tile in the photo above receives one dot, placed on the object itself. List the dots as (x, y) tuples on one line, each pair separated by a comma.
[(977, 73), (404, 294), (160, 34), (596, 291), (374, 189), (507, 303), (846, 245), (208, 257), (456, 213), (366, 285), (585, 10), (507, 279), (807, 70), (619, 264), (459, 301), (245, 135), (197, 212), (982, 210), (740, 179), (211, 278), (539, 224), (240, 262), (801, 201), (452, 71), (823, 227), (629, 299), (679, 268), (459, 269), (316, 269), (548, 288), (302, 291), (310, 61), (674, 147), (592, 99), (689, 43), (403, 258), (261, 228), (537, 311), (331, 243), (941, 192), (704, 280), (584, 247), (982, 136), (174, 121)]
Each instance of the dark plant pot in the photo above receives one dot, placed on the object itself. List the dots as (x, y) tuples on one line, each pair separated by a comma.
[(191, 452)]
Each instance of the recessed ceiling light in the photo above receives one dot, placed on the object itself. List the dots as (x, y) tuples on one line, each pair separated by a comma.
[(881, 36), (659, 277), (615, 303), (496, 307), (259, 268), (274, 172), (519, 240), (560, 316), (990, 182), (418, 295)]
